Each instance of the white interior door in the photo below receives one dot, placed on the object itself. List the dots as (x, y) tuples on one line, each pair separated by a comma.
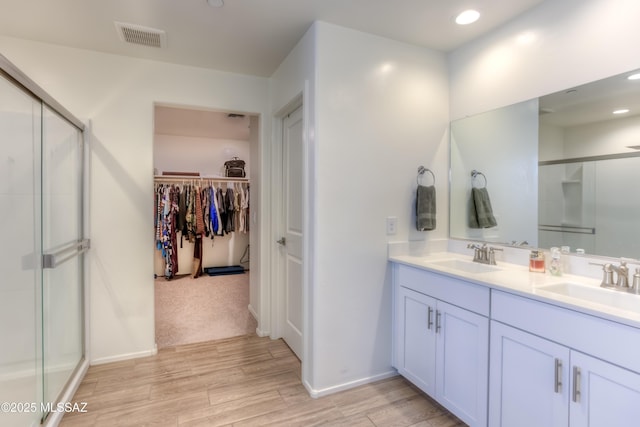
[(292, 242)]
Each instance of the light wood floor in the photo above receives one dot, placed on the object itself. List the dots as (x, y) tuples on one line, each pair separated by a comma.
[(243, 381)]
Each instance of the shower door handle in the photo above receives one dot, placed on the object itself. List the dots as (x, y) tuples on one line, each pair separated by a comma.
[(65, 253)]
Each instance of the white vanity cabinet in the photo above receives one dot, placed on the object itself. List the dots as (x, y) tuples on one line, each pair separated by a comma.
[(529, 380), (602, 394), (536, 381), (441, 339)]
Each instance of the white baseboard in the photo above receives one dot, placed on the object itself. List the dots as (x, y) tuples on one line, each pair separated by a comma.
[(126, 356), (315, 393), (259, 332)]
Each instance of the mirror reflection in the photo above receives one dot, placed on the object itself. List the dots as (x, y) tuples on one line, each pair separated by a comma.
[(561, 170)]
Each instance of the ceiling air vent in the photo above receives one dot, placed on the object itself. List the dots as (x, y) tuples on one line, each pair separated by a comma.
[(137, 34)]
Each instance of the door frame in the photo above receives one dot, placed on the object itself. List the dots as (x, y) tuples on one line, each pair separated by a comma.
[(277, 297)]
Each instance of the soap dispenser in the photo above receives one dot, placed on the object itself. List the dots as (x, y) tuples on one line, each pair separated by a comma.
[(555, 264)]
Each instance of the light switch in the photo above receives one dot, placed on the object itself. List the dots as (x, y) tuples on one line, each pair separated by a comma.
[(392, 225)]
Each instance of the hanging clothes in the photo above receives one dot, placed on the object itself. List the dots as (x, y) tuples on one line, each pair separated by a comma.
[(182, 214), (229, 206), (199, 232), (220, 196), (167, 241), (196, 212), (204, 196), (246, 210), (243, 223), (191, 215), (213, 212), (158, 215)]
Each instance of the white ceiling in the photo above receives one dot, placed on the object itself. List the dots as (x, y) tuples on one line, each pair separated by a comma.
[(592, 102), (245, 36)]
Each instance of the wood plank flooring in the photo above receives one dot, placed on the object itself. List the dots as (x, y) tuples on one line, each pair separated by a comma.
[(243, 381)]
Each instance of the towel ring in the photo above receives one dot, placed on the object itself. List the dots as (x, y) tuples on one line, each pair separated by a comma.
[(474, 175), (421, 171)]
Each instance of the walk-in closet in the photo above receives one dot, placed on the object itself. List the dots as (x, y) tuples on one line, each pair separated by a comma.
[(202, 223)]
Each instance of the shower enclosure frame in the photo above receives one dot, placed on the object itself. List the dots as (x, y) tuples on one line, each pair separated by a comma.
[(42, 261)]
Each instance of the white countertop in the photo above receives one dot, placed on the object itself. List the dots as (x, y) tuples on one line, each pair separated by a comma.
[(518, 280)]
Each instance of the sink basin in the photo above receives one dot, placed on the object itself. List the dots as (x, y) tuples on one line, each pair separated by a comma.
[(610, 297), (466, 266)]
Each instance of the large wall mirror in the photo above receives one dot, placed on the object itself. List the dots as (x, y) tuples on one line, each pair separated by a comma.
[(560, 170)]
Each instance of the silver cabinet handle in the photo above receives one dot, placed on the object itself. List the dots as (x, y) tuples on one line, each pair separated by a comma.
[(438, 314), (558, 376), (282, 241), (429, 317), (576, 384)]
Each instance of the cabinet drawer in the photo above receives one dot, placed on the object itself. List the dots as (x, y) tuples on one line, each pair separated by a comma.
[(605, 339), (458, 292)]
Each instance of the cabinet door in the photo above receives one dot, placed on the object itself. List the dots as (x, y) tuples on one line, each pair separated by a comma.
[(529, 385), (416, 341), (603, 395), (462, 361)]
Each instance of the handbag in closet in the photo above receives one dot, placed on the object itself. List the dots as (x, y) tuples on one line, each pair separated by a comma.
[(234, 168)]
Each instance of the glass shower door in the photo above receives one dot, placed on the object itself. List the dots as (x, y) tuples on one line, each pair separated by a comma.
[(62, 274), (20, 255), (41, 262)]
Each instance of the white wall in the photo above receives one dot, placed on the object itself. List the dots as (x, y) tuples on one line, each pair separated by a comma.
[(118, 95), (607, 137), (375, 109), (574, 42), (381, 112), (295, 81), (257, 281), (198, 154)]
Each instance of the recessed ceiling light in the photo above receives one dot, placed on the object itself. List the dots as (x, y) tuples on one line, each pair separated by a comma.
[(467, 17), (621, 111), (634, 76), (215, 3)]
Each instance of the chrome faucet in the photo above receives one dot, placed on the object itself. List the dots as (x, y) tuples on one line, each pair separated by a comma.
[(607, 275), (622, 271), (622, 279), (483, 254)]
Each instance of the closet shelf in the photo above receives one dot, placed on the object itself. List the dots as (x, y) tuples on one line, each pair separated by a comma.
[(174, 178)]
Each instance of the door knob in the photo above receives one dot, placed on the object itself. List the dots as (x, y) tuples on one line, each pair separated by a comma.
[(282, 241)]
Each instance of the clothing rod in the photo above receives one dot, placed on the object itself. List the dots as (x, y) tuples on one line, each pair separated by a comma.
[(183, 178), (12, 72)]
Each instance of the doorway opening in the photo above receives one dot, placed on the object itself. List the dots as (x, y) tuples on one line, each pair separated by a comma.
[(202, 223)]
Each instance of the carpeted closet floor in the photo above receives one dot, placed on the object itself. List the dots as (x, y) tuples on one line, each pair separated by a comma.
[(207, 308)]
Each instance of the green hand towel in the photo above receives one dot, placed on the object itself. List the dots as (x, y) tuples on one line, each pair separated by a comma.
[(481, 213), (426, 208)]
